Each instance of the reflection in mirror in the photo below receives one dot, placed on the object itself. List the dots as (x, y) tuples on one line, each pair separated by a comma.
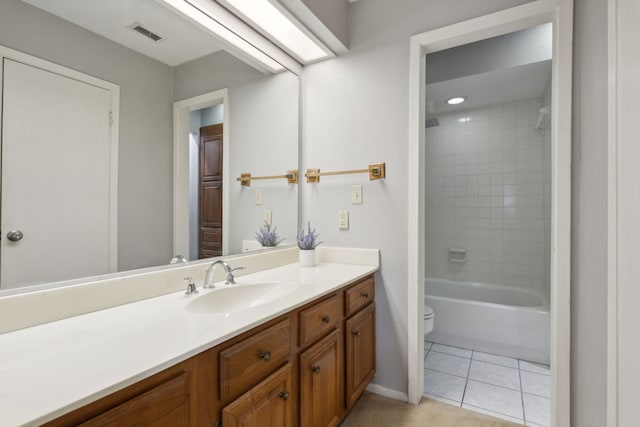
[(117, 178)]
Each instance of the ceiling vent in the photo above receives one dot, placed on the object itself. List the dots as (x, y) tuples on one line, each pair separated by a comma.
[(139, 28)]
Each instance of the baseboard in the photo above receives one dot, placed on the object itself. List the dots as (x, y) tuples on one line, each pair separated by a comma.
[(387, 392)]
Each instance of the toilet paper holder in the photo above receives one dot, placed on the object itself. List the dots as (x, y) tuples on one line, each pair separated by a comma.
[(457, 255)]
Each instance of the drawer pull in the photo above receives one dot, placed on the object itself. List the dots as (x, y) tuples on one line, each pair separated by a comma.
[(283, 395), (315, 369), (356, 333), (325, 319), (265, 355), (365, 295)]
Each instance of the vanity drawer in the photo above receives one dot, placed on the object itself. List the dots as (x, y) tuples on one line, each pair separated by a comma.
[(252, 359), (319, 319), (359, 295)]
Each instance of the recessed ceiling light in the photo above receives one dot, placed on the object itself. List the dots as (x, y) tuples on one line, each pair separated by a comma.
[(456, 100), (223, 32), (275, 23)]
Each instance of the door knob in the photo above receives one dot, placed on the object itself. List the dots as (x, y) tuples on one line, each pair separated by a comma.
[(15, 235)]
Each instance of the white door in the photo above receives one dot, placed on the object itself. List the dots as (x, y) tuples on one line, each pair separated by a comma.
[(55, 177), (624, 236)]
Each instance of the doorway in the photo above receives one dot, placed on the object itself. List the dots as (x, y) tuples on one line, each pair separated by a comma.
[(189, 115), (518, 18), (59, 172)]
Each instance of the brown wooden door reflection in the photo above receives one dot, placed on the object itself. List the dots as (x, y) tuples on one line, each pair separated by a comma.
[(210, 209)]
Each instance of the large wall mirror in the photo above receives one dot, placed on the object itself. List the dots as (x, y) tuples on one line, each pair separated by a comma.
[(190, 117)]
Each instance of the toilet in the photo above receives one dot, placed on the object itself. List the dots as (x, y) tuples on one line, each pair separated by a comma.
[(428, 319)]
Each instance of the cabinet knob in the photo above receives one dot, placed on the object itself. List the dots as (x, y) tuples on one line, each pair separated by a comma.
[(365, 295), (315, 369), (356, 333), (284, 395), (325, 319), (265, 355)]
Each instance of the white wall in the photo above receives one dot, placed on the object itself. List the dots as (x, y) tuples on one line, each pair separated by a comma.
[(354, 112), (485, 193), (589, 216), (264, 142)]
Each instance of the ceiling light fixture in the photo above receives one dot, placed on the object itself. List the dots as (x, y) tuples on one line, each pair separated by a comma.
[(277, 23), (197, 15), (456, 100)]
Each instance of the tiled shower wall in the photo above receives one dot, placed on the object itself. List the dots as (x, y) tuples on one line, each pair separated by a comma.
[(487, 193)]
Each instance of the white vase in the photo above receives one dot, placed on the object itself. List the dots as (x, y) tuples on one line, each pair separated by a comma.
[(307, 258)]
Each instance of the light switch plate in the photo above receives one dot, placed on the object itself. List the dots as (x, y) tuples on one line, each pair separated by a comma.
[(343, 219), (257, 199), (356, 194), (267, 216)]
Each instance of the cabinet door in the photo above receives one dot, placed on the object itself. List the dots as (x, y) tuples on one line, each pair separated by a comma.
[(164, 405), (360, 353), (320, 382), (269, 404)]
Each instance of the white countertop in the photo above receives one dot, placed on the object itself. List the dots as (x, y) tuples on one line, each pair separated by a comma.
[(51, 369)]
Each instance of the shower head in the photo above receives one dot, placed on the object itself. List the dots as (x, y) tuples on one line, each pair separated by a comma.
[(544, 117)]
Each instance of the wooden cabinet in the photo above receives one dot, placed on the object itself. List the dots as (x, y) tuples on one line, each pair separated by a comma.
[(253, 358), (360, 344), (319, 319), (359, 295), (164, 405), (320, 382), (269, 404), (164, 399), (304, 368)]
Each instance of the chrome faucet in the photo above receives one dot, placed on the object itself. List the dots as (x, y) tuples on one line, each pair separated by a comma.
[(208, 279)]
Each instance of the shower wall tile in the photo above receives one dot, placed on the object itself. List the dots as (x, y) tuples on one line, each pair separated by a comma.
[(488, 191)]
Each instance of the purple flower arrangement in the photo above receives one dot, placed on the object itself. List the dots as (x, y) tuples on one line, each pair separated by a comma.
[(268, 237), (308, 241)]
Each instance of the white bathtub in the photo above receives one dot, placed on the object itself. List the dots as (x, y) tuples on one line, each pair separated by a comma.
[(490, 318)]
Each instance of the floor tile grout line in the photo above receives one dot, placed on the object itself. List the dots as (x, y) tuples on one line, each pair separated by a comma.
[(446, 373), (536, 395), (524, 416), (495, 385), (466, 382), (449, 354), (491, 410)]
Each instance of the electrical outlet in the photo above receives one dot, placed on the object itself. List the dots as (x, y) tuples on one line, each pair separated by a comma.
[(343, 219), (267, 216), (356, 194), (257, 199)]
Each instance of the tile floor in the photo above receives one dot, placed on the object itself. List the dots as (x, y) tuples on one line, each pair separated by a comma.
[(511, 389)]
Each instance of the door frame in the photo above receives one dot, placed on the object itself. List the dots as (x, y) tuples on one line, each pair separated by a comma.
[(181, 110), (114, 90), (560, 13)]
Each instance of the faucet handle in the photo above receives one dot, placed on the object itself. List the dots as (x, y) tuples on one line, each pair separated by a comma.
[(191, 286), (231, 280)]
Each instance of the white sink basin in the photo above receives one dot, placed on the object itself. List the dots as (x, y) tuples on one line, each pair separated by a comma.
[(228, 298)]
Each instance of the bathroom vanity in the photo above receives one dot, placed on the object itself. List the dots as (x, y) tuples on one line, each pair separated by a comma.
[(310, 364), (304, 357)]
